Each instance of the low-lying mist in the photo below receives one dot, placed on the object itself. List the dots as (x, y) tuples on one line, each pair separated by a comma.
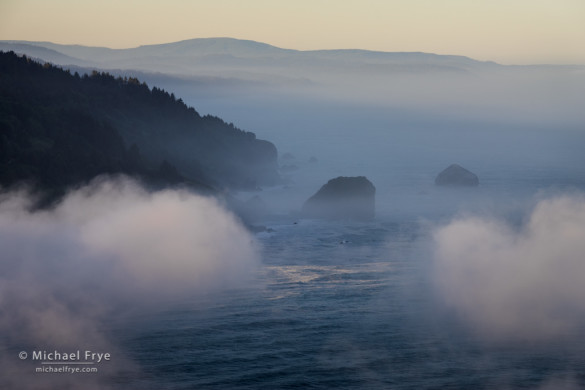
[(510, 283), (518, 129), (106, 248)]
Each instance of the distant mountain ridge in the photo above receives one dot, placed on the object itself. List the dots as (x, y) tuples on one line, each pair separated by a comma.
[(206, 46), (225, 48), (240, 79)]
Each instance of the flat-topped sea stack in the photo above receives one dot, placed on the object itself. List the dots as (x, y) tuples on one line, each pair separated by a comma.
[(457, 176), (343, 198)]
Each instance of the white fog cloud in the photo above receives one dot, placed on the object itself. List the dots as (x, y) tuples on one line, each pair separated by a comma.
[(522, 284), (106, 246)]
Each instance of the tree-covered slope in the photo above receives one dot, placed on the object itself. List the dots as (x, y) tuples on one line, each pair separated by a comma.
[(58, 129)]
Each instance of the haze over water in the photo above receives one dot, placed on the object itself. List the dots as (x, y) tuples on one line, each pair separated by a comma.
[(445, 288)]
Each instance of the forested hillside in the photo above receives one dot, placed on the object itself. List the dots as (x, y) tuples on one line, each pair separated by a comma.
[(58, 129)]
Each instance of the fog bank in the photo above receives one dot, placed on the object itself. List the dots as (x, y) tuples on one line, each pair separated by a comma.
[(106, 248), (517, 283)]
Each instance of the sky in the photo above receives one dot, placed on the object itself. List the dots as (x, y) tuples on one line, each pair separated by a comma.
[(505, 31)]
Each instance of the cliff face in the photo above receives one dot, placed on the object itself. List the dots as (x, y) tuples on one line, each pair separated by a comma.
[(343, 198), (58, 129)]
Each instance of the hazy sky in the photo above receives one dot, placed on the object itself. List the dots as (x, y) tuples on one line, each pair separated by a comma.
[(506, 31)]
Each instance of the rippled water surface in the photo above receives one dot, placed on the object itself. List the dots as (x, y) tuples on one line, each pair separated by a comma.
[(353, 304), (337, 305)]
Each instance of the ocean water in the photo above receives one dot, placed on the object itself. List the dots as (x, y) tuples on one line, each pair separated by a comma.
[(353, 305), (347, 305), (337, 305)]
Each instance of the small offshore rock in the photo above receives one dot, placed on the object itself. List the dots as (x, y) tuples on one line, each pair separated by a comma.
[(457, 176), (343, 198)]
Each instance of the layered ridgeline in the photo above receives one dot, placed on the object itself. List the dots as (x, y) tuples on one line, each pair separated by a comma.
[(215, 56), (58, 129), (224, 66), (252, 79)]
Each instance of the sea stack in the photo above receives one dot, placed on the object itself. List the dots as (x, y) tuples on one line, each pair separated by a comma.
[(457, 176), (343, 198)]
